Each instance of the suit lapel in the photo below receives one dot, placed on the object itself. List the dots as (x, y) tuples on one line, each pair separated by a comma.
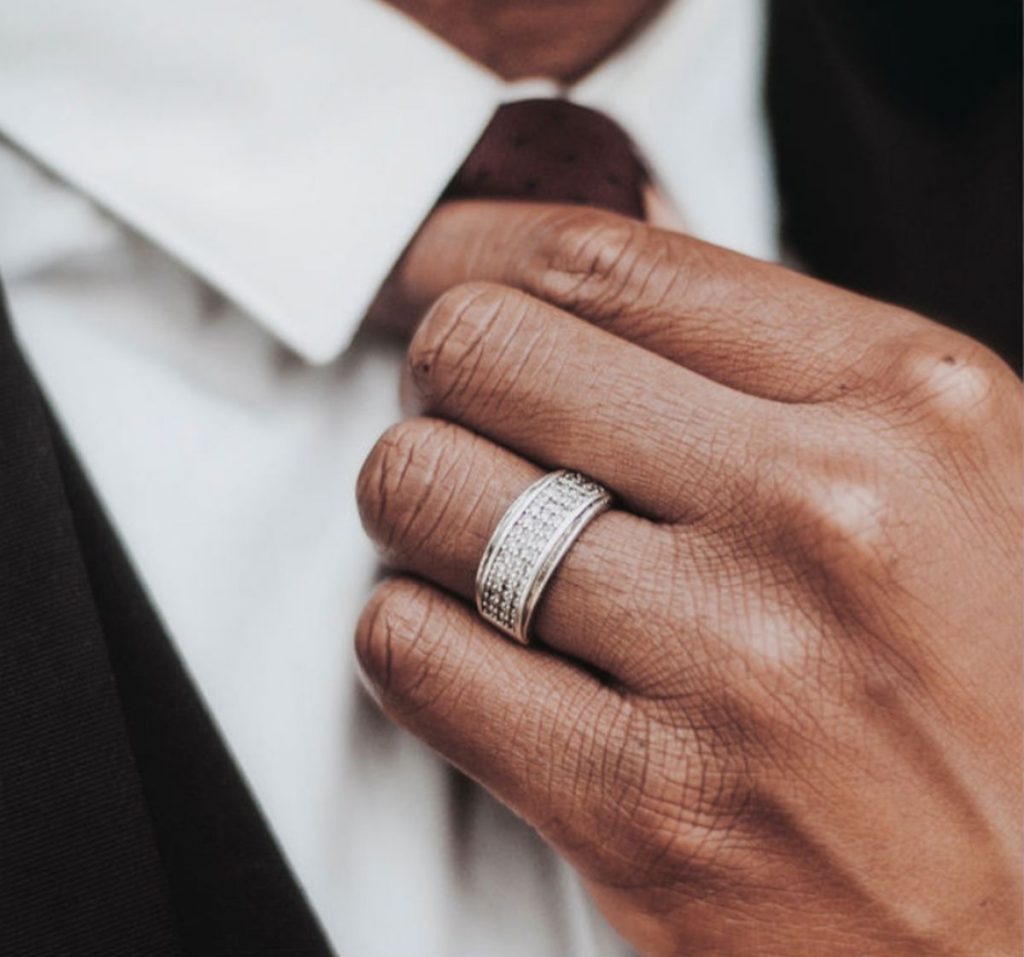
[(79, 870), (125, 827)]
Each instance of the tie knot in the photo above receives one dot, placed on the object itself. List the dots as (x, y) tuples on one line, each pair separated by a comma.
[(553, 151)]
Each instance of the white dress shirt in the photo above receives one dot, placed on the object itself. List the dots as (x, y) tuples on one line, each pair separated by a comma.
[(197, 202)]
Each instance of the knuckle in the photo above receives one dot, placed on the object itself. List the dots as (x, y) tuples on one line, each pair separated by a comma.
[(841, 526), (399, 633), (447, 345), (398, 473), (947, 381), (593, 258)]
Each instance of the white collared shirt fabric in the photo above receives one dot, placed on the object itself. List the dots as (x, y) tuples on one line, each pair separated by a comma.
[(198, 202)]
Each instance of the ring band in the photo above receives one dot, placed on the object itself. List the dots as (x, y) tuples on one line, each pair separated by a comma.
[(530, 541)]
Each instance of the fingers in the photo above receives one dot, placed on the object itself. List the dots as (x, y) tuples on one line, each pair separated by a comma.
[(431, 494), (757, 327), (549, 740), (565, 394)]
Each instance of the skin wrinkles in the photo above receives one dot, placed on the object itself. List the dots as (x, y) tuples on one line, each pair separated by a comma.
[(783, 828), (771, 707), (427, 352), (730, 298)]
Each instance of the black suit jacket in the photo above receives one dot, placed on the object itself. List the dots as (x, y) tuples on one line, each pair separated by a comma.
[(125, 829)]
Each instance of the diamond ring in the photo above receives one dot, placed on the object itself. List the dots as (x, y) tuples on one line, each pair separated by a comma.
[(531, 539)]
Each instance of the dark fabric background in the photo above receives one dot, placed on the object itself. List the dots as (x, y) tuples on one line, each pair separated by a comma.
[(897, 132)]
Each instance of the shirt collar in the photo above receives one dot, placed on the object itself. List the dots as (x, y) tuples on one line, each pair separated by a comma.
[(689, 91), (287, 152)]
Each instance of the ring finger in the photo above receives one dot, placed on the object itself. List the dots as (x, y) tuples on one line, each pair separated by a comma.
[(431, 493)]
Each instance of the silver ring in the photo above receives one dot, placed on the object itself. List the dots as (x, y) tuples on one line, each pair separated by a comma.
[(530, 541)]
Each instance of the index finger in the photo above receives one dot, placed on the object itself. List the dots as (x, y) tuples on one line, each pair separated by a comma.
[(755, 326)]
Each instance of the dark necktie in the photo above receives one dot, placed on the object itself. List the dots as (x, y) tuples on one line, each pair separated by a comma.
[(544, 151), (553, 151)]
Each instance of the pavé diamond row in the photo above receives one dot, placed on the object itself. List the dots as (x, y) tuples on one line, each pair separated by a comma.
[(531, 539)]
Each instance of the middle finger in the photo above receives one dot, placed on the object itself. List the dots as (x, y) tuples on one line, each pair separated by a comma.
[(563, 393), (431, 493)]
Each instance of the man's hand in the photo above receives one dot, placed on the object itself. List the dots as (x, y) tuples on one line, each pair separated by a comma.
[(775, 706)]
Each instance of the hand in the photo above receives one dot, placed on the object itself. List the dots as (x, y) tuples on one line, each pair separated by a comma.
[(775, 706)]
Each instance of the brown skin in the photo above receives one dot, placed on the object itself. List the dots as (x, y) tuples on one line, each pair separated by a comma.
[(561, 39), (775, 705)]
